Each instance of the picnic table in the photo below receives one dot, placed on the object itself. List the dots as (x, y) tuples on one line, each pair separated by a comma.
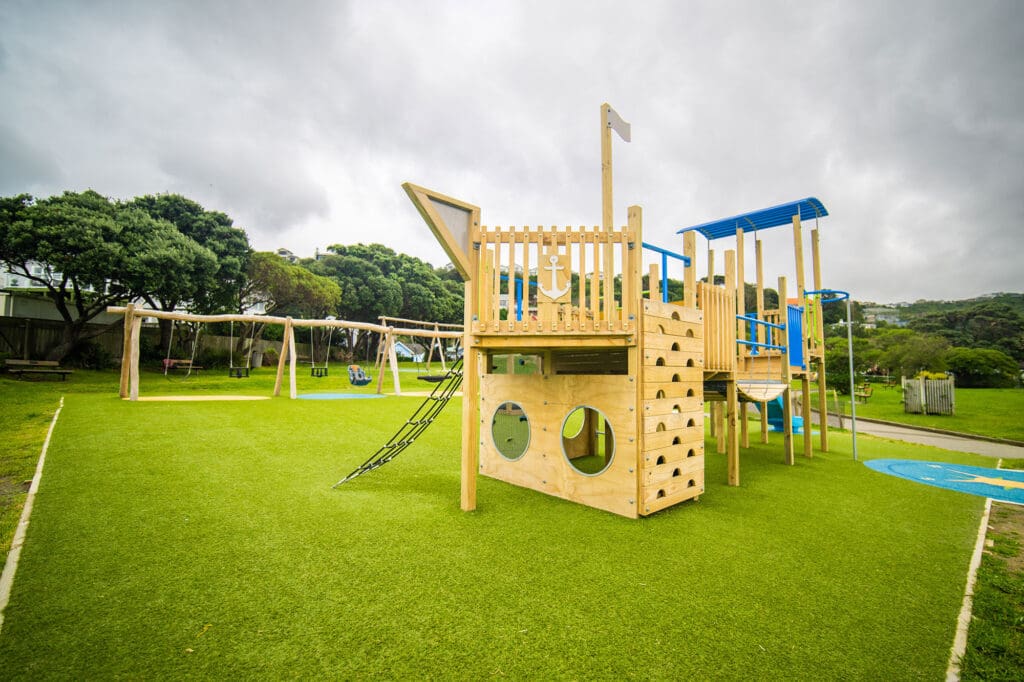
[(20, 368), (171, 365)]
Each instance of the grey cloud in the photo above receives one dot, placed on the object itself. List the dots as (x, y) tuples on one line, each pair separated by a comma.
[(302, 121)]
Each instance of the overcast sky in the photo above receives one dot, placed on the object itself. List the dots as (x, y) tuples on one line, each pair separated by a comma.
[(301, 120)]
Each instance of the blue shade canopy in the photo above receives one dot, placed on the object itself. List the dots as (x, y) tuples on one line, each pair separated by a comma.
[(761, 220)]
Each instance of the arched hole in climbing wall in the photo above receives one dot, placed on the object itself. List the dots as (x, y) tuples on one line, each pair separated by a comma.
[(660, 427), (676, 409), (660, 395), (675, 346), (691, 363), (691, 423), (675, 316), (661, 459), (691, 453), (676, 378), (691, 483), (677, 441), (660, 362), (510, 431), (588, 442), (676, 472), (690, 393), (689, 333)]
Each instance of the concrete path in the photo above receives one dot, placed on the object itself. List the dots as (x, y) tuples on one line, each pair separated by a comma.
[(932, 438)]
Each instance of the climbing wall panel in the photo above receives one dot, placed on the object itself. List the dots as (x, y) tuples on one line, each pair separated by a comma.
[(672, 423)]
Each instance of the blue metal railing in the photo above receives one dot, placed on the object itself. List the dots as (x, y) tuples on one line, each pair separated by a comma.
[(753, 322), (665, 254)]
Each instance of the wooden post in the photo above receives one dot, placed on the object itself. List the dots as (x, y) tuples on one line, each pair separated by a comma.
[(733, 456), (731, 397), (805, 382), (284, 356), (470, 463), (762, 336), (636, 351), (730, 285), (126, 349), (133, 371), (393, 361), (292, 359), (744, 430), (690, 274), (822, 398), (607, 215), (787, 403), (382, 355), (741, 291)]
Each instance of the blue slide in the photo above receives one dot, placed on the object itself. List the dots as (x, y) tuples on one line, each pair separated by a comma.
[(775, 416)]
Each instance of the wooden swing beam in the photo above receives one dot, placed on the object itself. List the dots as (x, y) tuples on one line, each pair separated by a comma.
[(129, 387)]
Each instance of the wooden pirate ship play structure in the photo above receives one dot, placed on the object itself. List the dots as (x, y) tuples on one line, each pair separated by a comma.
[(581, 384)]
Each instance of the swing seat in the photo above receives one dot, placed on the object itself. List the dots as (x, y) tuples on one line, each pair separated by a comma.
[(433, 378), (238, 372), (760, 391), (318, 372), (357, 377)]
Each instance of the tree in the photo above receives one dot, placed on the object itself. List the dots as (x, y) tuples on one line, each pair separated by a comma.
[(414, 277), (368, 293), (837, 362), (87, 252), (986, 324), (215, 231), (905, 353), (982, 368), (285, 288)]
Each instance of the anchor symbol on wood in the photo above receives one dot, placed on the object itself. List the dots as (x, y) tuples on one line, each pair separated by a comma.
[(554, 293)]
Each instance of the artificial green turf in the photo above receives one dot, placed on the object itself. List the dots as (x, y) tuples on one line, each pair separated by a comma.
[(993, 412), (203, 539), (995, 639)]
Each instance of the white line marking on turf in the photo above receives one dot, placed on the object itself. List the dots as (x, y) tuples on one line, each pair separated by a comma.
[(7, 578), (963, 621)]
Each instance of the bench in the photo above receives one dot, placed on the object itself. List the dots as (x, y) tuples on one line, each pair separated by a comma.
[(862, 393), (20, 368), (171, 365)]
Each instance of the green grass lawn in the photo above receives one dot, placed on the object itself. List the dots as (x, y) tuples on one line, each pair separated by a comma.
[(176, 540), (995, 412)]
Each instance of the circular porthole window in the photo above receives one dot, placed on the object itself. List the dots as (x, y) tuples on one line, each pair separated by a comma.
[(510, 431), (587, 441)]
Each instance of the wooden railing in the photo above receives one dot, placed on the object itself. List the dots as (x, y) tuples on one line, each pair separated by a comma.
[(719, 307), (556, 280)]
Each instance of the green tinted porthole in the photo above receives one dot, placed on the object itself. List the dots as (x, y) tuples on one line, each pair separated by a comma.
[(510, 431)]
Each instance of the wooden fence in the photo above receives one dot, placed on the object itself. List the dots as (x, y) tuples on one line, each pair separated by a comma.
[(929, 396)]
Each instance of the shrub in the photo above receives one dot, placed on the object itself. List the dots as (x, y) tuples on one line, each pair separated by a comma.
[(982, 368), (90, 355)]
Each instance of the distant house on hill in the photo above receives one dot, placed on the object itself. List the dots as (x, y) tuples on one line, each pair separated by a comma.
[(886, 314), (410, 351)]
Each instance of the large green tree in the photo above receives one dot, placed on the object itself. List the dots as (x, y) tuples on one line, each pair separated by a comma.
[(368, 292), (284, 288), (427, 294), (214, 231), (86, 252), (982, 368), (987, 324)]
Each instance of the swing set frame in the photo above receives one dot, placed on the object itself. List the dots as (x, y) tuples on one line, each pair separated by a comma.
[(134, 315)]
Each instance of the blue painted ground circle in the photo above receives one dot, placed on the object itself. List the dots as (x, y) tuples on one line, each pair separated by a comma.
[(1004, 485)]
